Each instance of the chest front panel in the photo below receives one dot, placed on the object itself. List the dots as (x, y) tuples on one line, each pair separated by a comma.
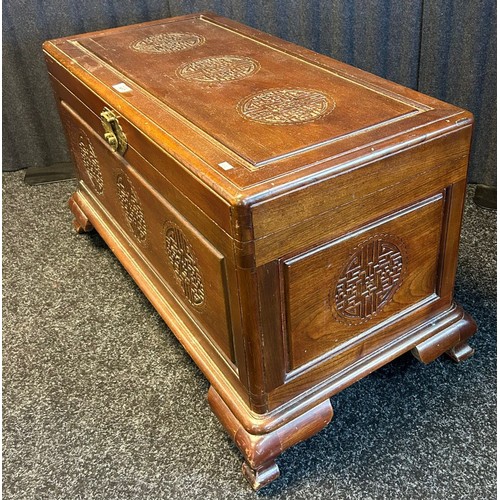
[(187, 262)]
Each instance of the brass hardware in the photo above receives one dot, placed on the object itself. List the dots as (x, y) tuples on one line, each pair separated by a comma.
[(113, 132)]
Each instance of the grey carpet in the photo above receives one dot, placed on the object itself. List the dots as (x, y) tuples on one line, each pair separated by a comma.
[(100, 400)]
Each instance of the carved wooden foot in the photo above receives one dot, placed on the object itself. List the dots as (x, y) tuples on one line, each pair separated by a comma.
[(262, 475), (452, 340), (460, 352), (260, 450), (81, 223)]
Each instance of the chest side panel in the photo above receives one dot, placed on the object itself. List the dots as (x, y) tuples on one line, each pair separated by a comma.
[(345, 290), (353, 278)]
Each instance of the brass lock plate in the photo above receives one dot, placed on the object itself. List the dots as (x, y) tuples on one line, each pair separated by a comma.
[(113, 132)]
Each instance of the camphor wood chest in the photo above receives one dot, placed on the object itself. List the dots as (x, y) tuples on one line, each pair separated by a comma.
[(294, 220)]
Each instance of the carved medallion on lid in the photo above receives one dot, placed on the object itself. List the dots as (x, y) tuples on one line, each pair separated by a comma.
[(369, 279), (131, 207), (285, 106), (162, 43), (218, 69), (184, 264)]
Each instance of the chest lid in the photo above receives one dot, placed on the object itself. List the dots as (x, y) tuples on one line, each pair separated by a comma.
[(262, 114)]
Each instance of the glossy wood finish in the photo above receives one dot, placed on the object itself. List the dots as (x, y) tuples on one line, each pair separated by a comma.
[(251, 76), (294, 220)]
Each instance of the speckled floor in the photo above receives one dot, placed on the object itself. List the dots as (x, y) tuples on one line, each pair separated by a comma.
[(101, 401)]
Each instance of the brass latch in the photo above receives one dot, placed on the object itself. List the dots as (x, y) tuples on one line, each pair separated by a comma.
[(113, 132)]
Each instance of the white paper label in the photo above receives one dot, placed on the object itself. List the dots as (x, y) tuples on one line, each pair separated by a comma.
[(225, 165), (122, 88)]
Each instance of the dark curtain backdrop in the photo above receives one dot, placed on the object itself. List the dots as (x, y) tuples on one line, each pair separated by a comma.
[(445, 48)]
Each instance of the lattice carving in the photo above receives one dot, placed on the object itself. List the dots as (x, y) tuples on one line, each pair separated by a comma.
[(218, 69), (84, 154), (285, 106), (184, 264), (91, 163), (369, 280), (132, 207), (162, 43)]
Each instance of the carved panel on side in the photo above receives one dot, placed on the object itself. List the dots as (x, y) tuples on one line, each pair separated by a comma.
[(338, 293)]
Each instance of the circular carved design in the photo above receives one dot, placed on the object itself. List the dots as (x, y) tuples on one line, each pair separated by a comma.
[(167, 43), (184, 264), (90, 163), (369, 280), (285, 106), (218, 69), (131, 206), (84, 155)]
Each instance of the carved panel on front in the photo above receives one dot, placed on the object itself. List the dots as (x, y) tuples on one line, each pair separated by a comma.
[(90, 163), (132, 207), (85, 156), (188, 262), (184, 263)]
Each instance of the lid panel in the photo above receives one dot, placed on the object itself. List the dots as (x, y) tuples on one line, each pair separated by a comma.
[(262, 103)]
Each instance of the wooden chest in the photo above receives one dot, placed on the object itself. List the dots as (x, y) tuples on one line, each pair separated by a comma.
[(294, 220)]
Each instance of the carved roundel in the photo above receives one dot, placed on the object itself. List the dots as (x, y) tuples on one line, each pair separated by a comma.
[(85, 156), (162, 43), (90, 163), (184, 264), (285, 106), (369, 279), (218, 69), (131, 207)]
